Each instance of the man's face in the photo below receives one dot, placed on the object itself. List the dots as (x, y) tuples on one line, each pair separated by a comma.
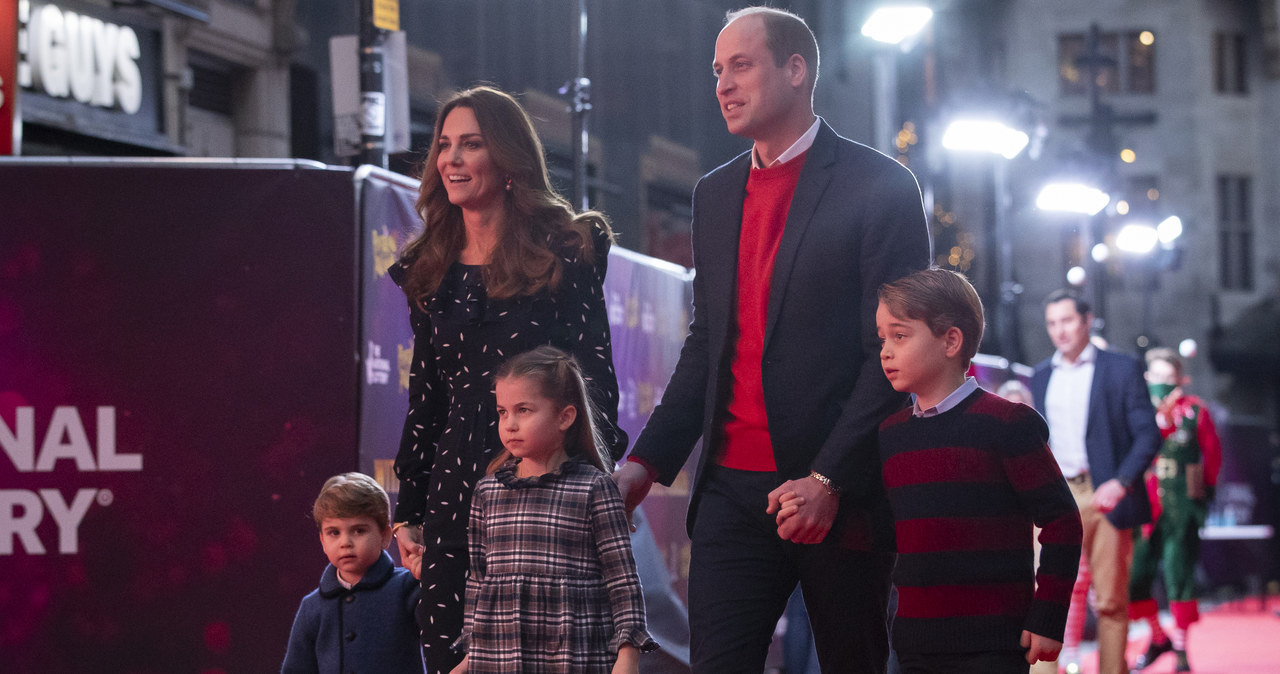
[(756, 96), (1068, 328)]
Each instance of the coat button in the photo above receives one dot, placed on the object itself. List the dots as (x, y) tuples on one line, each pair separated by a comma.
[(350, 598), (351, 636)]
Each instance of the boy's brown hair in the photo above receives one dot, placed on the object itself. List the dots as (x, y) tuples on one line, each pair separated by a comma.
[(1167, 355), (941, 299), (353, 495)]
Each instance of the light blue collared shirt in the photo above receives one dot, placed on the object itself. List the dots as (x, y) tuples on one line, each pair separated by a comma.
[(962, 391)]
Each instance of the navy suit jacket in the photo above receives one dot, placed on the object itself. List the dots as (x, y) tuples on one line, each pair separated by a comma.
[(1121, 436), (856, 221)]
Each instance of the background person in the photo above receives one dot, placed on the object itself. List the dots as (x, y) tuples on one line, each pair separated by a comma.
[(1103, 433), (1179, 485), (778, 374), (502, 266)]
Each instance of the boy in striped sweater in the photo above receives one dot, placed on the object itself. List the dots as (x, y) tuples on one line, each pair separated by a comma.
[(968, 474)]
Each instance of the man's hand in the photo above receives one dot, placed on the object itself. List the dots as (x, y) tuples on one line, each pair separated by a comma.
[(1108, 495), (813, 519), (462, 666), (1040, 648), (634, 483)]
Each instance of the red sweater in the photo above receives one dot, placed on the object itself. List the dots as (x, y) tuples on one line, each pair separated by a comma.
[(764, 216), (965, 487)]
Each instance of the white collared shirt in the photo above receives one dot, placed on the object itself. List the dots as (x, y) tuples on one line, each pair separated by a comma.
[(962, 391), (802, 145), (1066, 407)]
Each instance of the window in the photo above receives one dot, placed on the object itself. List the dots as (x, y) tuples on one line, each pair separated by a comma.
[(1235, 231), (1122, 63), (1229, 64)]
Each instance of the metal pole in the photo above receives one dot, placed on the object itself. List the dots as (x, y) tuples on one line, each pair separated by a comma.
[(373, 89), (581, 104), (1007, 325), (886, 100)]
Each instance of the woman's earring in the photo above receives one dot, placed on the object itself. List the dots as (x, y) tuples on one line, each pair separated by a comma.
[(508, 184)]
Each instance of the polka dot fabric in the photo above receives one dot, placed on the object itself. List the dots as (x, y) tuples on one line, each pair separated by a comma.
[(451, 433)]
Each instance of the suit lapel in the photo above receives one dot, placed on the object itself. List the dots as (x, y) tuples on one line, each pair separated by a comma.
[(725, 232), (1097, 408), (812, 183)]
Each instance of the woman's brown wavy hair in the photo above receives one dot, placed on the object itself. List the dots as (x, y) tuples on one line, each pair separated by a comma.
[(539, 226)]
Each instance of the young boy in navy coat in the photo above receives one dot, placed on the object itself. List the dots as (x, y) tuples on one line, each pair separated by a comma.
[(362, 616)]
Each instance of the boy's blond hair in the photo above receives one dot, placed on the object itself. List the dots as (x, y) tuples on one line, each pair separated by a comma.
[(941, 299), (353, 495)]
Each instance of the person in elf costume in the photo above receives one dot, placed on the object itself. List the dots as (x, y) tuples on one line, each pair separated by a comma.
[(1180, 485)]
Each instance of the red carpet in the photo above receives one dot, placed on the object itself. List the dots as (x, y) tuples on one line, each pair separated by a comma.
[(1235, 638)]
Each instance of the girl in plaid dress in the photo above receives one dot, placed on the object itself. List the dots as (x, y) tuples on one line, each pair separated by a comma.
[(552, 586)]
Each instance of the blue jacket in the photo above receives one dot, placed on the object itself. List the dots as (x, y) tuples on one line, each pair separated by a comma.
[(1121, 437), (369, 628)]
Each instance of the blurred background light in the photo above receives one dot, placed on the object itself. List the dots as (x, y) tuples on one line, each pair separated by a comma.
[(892, 25), (1072, 197)]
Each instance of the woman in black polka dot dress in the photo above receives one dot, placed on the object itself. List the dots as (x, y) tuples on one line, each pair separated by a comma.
[(502, 266)]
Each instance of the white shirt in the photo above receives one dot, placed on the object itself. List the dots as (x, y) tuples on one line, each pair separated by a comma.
[(1066, 407), (962, 391), (802, 145)]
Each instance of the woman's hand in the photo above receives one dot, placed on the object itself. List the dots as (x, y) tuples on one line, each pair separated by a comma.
[(462, 666), (410, 549)]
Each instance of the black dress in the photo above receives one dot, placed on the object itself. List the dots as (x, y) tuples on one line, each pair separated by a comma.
[(451, 432)]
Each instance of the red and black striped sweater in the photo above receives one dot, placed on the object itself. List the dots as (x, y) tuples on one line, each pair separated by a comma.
[(966, 487)]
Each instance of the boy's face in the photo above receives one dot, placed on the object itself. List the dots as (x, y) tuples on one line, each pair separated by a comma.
[(914, 360), (353, 544)]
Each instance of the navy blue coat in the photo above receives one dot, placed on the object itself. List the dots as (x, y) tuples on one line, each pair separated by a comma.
[(856, 221), (1121, 436), (369, 628)]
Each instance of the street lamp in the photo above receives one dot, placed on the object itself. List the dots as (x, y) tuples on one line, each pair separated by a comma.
[(1072, 197), (895, 25), (995, 137), (984, 135)]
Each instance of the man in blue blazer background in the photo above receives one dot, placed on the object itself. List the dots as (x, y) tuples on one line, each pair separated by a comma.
[(1103, 433), (780, 373)]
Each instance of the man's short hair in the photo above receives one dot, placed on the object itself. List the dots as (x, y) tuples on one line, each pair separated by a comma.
[(353, 495), (786, 34), (941, 299), (1167, 355), (1082, 306)]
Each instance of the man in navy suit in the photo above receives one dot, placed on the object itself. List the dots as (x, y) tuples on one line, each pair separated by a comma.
[(780, 373), (1103, 433)]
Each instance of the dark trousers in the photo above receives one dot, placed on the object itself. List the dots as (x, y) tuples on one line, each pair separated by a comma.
[(741, 573), (984, 662)]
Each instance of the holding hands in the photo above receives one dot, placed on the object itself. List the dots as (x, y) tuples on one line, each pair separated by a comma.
[(409, 541), (1040, 648), (804, 510)]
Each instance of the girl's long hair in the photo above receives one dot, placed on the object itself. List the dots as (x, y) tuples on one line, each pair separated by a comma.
[(559, 379), (539, 224)]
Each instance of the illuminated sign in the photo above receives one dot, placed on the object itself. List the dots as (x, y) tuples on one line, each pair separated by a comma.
[(70, 55), (64, 439)]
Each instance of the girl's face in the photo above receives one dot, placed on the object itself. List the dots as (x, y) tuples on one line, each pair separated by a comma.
[(532, 426), (468, 173)]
